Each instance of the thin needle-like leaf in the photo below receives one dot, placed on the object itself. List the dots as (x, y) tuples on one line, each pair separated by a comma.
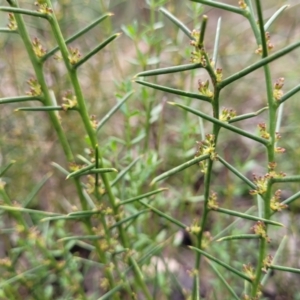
[(6, 168), (247, 116), (275, 16), (140, 197), (125, 171), (222, 124), (177, 22), (174, 91), (292, 198), (169, 70), (277, 255), (20, 99), (217, 40), (43, 108), (221, 263), (236, 172), (290, 93), (295, 178), (232, 225), (78, 34), (81, 170), (239, 237), (245, 216), (165, 216), (132, 217), (27, 210), (7, 30), (60, 168), (180, 168), (259, 64), (113, 110), (23, 12), (36, 189), (221, 6), (227, 285), (96, 50), (285, 269)]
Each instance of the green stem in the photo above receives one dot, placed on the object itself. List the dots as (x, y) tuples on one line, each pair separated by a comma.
[(93, 139)]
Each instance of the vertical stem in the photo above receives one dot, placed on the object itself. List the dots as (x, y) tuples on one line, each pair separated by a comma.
[(93, 139), (266, 213)]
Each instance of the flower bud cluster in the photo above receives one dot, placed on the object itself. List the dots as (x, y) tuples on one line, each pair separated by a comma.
[(206, 147), (270, 46), (38, 48), (242, 4), (227, 114), (43, 8), (277, 92), (35, 88), (74, 55), (275, 203), (260, 229), (213, 201), (70, 101), (12, 25), (267, 262), (203, 88)]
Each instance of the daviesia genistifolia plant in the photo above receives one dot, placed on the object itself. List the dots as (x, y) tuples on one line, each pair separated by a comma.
[(118, 240)]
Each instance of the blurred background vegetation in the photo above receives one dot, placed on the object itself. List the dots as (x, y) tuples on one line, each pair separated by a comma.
[(146, 125)]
